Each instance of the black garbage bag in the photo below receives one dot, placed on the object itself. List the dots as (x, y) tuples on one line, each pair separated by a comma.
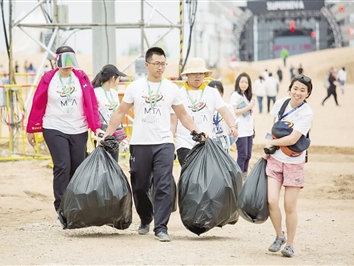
[(98, 194), (208, 188), (253, 199)]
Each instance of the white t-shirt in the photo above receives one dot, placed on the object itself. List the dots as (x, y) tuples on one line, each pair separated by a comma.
[(108, 102), (152, 111), (245, 124), (342, 75), (202, 111), (271, 85), (259, 88), (65, 111), (302, 120)]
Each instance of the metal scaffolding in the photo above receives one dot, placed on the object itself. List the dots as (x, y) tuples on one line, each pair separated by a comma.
[(56, 26)]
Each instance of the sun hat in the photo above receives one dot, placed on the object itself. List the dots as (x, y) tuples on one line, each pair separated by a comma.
[(196, 65)]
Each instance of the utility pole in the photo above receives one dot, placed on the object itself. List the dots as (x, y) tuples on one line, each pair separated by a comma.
[(103, 37)]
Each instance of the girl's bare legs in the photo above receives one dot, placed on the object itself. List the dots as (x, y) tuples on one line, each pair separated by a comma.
[(290, 202), (274, 187)]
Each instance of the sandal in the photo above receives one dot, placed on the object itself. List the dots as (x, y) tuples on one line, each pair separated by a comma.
[(287, 251), (278, 242)]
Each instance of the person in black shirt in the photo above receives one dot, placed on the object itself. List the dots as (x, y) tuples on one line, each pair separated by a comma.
[(332, 79)]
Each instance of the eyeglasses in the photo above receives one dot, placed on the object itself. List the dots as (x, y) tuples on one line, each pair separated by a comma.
[(158, 64), (303, 77)]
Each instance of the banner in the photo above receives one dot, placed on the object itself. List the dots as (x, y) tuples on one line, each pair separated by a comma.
[(261, 7)]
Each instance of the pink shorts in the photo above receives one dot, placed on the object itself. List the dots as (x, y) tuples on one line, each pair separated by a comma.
[(290, 175)]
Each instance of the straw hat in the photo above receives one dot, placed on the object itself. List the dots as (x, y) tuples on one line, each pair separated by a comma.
[(196, 65)]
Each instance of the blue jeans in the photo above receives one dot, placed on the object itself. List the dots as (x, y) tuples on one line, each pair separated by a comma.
[(270, 98), (260, 103)]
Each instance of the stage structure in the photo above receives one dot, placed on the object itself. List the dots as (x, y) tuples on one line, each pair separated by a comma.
[(298, 25)]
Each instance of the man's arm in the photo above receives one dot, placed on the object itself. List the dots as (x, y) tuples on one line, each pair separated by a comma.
[(174, 121), (117, 118), (185, 118)]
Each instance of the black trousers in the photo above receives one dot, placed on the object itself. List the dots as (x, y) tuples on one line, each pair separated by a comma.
[(331, 91), (157, 161), (182, 154), (68, 152)]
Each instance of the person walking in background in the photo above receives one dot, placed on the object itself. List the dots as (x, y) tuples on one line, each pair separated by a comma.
[(272, 88), (105, 83), (265, 74), (64, 108), (201, 102), (151, 143), (259, 89), (342, 78), (332, 80), (220, 127), (300, 70), (284, 55), (242, 102), (280, 74), (292, 69), (285, 170)]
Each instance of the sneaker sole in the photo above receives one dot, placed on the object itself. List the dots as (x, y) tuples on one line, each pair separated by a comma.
[(143, 233), (162, 239)]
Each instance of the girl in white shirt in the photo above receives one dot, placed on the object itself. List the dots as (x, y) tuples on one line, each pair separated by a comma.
[(242, 102), (107, 97)]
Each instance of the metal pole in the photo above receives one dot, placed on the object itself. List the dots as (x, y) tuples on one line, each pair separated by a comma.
[(142, 27), (180, 38), (11, 81)]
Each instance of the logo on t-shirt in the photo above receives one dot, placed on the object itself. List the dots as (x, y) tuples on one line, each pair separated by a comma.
[(152, 99), (197, 107)]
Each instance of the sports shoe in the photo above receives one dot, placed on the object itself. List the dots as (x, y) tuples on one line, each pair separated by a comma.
[(278, 242), (163, 237), (288, 251), (143, 229)]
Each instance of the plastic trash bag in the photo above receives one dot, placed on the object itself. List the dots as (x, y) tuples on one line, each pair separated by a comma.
[(253, 199), (98, 194), (208, 188)]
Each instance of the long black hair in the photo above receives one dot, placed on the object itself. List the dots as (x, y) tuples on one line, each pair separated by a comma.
[(104, 75), (248, 92)]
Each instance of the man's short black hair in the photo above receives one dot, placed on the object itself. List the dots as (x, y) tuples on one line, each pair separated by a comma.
[(153, 50)]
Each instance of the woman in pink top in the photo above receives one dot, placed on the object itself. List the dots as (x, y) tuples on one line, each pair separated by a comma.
[(64, 107)]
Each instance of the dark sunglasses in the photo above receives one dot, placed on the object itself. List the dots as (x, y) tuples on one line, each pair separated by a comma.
[(303, 77)]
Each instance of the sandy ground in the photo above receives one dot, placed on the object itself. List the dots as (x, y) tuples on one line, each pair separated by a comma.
[(30, 233)]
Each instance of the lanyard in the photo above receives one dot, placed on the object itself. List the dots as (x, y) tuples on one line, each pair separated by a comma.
[(216, 119), (291, 111), (153, 101), (110, 99), (195, 103), (66, 90)]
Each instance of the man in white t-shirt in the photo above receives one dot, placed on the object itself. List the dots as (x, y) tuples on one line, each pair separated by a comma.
[(342, 78), (201, 102), (151, 143), (272, 88)]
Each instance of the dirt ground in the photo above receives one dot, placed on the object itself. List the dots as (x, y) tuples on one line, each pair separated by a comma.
[(31, 235)]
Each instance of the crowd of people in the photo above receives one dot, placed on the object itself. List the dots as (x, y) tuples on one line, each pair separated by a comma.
[(67, 104)]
